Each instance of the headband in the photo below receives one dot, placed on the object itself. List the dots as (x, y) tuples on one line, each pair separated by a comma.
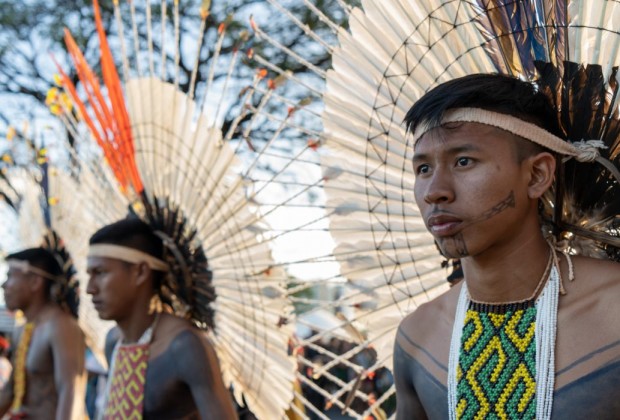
[(583, 151), (26, 267), (130, 255)]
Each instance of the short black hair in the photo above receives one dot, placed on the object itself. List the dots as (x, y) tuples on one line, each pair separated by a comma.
[(44, 260), (40, 258), (493, 92), (130, 232)]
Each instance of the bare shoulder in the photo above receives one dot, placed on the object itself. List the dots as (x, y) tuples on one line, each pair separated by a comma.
[(170, 326), (592, 296), (174, 334), (605, 270), (424, 335), (171, 322), (588, 338), (62, 323), (593, 277), (430, 316), (187, 348)]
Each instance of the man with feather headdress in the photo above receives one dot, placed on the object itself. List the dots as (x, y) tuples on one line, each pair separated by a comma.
[(48, 378), (161, 366), (530, 332)]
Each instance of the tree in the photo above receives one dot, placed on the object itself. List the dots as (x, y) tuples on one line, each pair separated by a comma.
[(31, 39)]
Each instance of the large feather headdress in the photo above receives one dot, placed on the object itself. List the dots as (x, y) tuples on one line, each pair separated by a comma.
[(169, 161), (40, 209), (391, 54), (33, 220)]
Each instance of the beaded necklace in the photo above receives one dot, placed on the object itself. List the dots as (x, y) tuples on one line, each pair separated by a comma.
[(19, 375), (127, 370), (539, 316)]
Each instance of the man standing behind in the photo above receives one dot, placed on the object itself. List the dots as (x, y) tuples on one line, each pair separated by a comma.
[(48, 379), (161, 366)]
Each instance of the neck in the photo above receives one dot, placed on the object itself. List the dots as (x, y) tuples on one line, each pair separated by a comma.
[(507, 273), (133, 326), (34, 310)]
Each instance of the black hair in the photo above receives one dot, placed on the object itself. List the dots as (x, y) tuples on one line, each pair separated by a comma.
[(130, 232), (62, 291), (184, 256), (40, 258), (133, 233), (493, 92)]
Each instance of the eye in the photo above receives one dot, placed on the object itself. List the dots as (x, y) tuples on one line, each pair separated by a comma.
[(422, 169), (463, 161)]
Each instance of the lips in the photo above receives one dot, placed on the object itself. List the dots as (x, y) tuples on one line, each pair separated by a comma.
[(443, 225)]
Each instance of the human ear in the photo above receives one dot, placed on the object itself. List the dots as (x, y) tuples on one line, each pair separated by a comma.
[(542, 172), (37, 283), (143, 273)]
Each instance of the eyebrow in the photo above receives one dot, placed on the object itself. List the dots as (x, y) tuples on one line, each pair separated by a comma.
[(464, 148), (93, 267)]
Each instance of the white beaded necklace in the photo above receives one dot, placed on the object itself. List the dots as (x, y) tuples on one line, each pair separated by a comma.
[(546, 328)]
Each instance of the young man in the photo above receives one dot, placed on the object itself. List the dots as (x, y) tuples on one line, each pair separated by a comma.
[(48, 378), (484, 155), (169, 365)]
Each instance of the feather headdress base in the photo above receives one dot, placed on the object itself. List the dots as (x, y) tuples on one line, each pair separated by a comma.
[(583, 151)]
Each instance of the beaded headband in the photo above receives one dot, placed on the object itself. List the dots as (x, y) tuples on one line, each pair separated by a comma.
[(583, 151), (126, 254), (26, 267)]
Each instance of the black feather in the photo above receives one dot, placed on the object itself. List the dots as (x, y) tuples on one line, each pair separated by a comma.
[(590, 195)]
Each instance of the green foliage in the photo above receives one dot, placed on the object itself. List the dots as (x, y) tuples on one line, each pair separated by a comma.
[(31, 33)]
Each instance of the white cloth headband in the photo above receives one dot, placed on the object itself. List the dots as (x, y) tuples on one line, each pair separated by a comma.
[(130, 255), (583, 151), (26, 267)]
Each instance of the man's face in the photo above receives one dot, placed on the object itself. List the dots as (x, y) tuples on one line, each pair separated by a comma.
[(470, 188), (112, 287), (17, 290)]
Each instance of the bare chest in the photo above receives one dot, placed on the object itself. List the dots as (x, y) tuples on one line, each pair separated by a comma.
[(587, 363), (165, 396), (40, 359)]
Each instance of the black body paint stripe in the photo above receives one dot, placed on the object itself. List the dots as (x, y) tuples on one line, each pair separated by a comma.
[(423, 350), (587, 357)]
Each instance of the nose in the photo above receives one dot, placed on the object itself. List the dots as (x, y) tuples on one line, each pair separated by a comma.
[(91, 288), (439, 188)]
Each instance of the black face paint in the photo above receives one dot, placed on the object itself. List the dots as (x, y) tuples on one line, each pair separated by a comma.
[(455, 246), (508, 202)]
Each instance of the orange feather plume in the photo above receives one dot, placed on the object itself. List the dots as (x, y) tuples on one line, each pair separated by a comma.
[(111, 125)]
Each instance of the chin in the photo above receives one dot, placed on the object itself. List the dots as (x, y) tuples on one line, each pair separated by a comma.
[(103, 315), (453, 247), (9, 304), (106, 317)]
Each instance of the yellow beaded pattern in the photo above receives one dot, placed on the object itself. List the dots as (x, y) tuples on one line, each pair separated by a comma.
[(19, 372), (496, 374)]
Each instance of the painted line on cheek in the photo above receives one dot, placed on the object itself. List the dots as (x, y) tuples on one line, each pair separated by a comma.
[(505, 204), (456, 247)]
